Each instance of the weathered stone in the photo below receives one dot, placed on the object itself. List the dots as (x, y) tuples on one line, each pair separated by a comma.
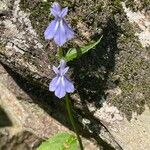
[(24, 125), (13, 139), (117, 71), (142, 20), (133, 135)]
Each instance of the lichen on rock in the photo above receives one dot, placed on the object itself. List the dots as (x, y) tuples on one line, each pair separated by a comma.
[(115, 73)]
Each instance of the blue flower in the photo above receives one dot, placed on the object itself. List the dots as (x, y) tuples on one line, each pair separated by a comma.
[(61, 84), (58, 29)]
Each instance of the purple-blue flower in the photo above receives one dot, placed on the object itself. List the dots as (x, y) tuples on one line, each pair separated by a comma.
[(61, 84), (58, 29)]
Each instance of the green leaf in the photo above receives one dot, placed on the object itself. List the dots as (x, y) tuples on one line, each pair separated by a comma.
[(61, 141), (77, 52)]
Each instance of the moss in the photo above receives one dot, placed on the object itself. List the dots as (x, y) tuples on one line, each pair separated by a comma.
[(133, 73), (1, 47), (138, 6)]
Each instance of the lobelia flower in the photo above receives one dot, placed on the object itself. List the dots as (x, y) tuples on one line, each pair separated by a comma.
[(61, 84), (58, 29)]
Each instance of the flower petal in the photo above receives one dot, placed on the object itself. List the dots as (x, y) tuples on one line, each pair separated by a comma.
[(55, 69), (51, 29), (64, 71), (68, 31), (64, 12), (54, 83), (62, 67), (60, 36), (60, 90), (55, 10), (69, 87)]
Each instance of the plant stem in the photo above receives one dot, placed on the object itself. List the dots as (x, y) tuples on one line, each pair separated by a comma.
[(68, 106), (60, 52)]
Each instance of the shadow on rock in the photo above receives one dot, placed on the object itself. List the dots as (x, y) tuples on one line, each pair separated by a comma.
[(91, 71), (4, 119)]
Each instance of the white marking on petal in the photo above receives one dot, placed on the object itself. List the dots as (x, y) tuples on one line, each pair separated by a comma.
[(62, 81)]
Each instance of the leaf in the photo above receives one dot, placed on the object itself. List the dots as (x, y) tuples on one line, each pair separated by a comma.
[(77, 52), (61, 141)]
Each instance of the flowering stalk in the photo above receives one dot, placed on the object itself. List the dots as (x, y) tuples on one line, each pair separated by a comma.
[(61, 32)]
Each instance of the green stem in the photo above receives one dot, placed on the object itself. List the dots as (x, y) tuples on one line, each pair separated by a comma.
[(60, 52), (68, 106)]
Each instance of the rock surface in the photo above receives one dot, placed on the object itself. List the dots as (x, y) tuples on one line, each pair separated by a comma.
[(24, 125), (111, 80), (134, 135), (13, 139)]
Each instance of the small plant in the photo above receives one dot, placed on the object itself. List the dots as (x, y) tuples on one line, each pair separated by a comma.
[(60, 31)]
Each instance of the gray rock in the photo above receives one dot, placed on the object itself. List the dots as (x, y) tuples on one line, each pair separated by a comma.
[(23, 124), (13, 139), (117, 71)]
